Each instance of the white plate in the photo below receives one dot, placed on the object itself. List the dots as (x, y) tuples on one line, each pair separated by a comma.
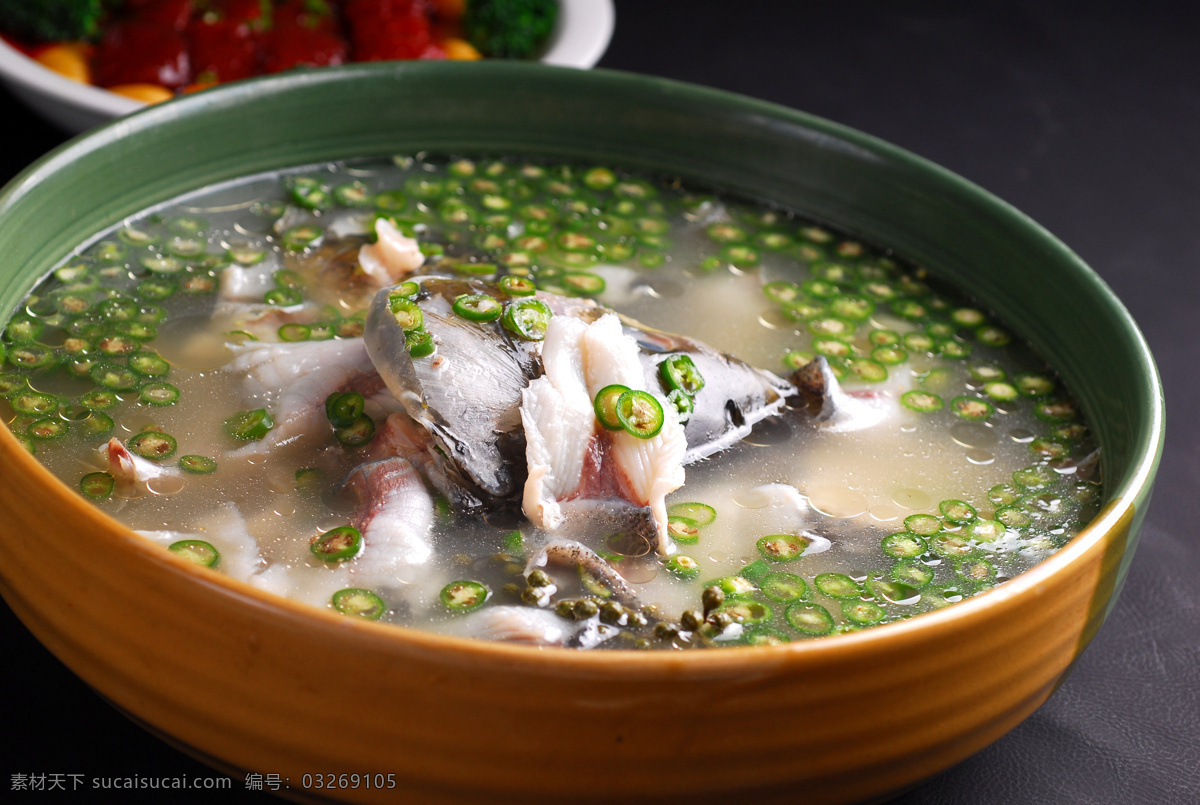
[(580, 37)]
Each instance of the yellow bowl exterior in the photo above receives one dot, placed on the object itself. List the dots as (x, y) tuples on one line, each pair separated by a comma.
[(259, 684)]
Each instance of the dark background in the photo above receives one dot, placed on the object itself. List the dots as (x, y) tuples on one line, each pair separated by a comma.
[(1086, 118)]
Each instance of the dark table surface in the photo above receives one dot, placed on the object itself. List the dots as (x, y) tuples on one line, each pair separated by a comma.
[(1085, 118)]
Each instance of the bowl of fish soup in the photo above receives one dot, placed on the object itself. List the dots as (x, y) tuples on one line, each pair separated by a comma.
[(298, 690)]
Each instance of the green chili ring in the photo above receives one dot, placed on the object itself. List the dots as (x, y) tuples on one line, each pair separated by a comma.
[(48, 429), (680, 372), (344, 408), (153, 445), (464, 595), (605, 405), (196, 551), (517, 286), (784, 587), (479, 307), (337, 545), (683, 530), (159, 394), (837, 585), (527, 318), (641, 415), (197, 465), (97, 485), (249, 426), (359, 603), (699, 513), (357, 433), (810, 619)]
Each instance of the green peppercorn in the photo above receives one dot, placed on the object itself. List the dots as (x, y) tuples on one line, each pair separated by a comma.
[(666, 631), (585, 608), (539, 578), (611, 612), (712, 598), (720, 620), (691, 620)]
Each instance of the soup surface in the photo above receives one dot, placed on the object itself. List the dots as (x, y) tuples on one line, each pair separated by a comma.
[(398, 389)]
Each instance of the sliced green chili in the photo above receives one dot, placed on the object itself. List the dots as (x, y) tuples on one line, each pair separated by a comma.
[(48, 429), (517, 286), (197, 465), (680, 372), (359, 603), (337, 544), (420, 343), (810, 619), (864, 613), (464, 595), (478, 307), (685, 404), (640, 413), (923, 402), (249, 426), (34, 403), (153, 445), (683, 530), (527, 318), (958, 512), (196, 551), (972, 408), (912, 572), (782, 547), (903, 545), (684, 567), (158, 393), (699, 513), (357, 433), (784, 587), (838, 585), (97, 485)]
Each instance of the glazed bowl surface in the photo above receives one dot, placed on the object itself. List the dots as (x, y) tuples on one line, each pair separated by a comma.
[(849, 718), (579, 39)]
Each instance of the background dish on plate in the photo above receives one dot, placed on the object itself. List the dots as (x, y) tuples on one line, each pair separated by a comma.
[(581, 35), (247, 648)]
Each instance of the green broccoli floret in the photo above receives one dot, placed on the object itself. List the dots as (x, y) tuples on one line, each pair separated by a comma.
[(51, 20), (509, 29)]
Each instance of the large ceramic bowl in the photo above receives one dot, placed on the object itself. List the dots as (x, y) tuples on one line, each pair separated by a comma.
[(579, 39), (851, 717)]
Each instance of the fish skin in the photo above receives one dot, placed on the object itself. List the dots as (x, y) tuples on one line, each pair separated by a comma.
[(468, 393)]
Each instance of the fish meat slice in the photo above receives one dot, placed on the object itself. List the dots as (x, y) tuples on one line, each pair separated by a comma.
[(394, 516), (293, 380), (562, 433), (392, 257)]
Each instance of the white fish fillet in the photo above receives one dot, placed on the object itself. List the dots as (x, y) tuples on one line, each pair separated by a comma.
[(293, 380), (654, 467), (392, 257), (559, 421), (247, 283), (579, 360), (395, 516)]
